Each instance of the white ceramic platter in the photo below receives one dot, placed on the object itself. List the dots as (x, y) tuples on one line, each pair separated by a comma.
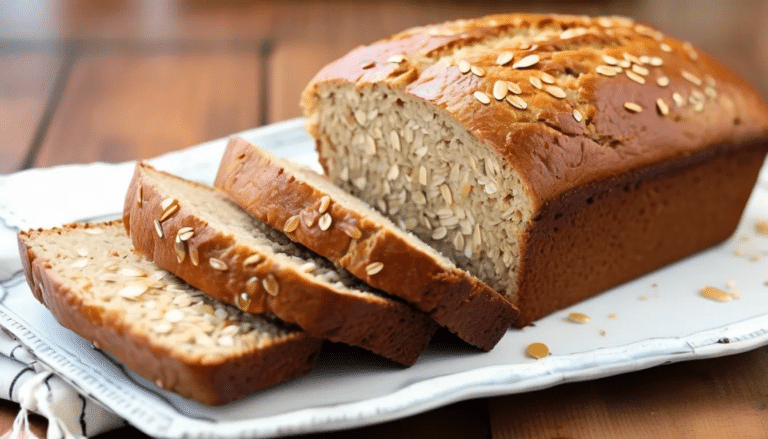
[(657, 319)]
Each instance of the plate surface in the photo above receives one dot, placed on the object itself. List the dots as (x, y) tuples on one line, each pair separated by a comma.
[(657, 319)]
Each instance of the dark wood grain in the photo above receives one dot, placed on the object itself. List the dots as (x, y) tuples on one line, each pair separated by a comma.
[(716, 398), (26, 83), (123, 105), (463, 420), (8, 412), (143, 78), (135, 20)]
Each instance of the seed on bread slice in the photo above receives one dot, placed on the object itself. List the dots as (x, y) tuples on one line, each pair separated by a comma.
[(169, 332), (354, 236), (213, 244)]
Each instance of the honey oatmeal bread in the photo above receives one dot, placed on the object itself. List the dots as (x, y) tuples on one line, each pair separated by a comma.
[(324, 218), (552, 156), (203, 237), (96, 285)]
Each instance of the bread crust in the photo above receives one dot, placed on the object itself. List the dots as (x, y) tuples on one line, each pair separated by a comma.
[(382, 325), (672, 116), (209, 381), (630, 225), (453, 298), (551, 151)]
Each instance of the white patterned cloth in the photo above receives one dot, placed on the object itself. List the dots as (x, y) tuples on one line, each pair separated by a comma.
[(24, 379), (31, 384), (343, 391), (55, 196)]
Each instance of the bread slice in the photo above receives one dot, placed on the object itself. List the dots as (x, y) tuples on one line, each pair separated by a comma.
[(321, 216), (186, 342), (552, 156), (199, 234)]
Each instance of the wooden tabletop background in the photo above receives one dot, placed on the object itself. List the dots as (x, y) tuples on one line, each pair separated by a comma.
[(82, 81)]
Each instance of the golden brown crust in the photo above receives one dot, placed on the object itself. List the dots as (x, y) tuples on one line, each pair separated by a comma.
[(384, 326), (631, 225), (210, 382), (547, 146), (456, 300), (631, 107)]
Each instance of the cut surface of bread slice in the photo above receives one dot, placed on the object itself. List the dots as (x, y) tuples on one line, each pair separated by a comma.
[(552, 156), (354, 236), (95, 284), (199, 234)]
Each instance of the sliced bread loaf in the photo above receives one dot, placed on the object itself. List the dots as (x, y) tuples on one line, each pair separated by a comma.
[(199, 234), (186, 342), (552, 156), (321, 216)]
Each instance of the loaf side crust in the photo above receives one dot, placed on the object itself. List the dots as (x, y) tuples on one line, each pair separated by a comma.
[(212, 381), (546, 145), (588, 102), (609, 232), (379, 324), (453, 298)]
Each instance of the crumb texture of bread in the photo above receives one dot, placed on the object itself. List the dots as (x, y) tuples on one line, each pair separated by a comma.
[(353, 235), (469, 133), (197, 233), (172, 334)]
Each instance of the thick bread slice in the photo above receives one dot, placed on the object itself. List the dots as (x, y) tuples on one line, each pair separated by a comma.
[(551, 156), (354, 236), (213, 244), (97, 286)]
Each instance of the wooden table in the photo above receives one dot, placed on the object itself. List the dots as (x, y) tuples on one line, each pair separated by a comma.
[(120, 80)]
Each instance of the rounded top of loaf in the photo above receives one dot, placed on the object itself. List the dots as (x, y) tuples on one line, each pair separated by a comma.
[(567, 100)]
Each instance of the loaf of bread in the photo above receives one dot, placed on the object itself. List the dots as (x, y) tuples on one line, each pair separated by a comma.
[(552, 156), (324, 218), (200, 235), (97, 286)]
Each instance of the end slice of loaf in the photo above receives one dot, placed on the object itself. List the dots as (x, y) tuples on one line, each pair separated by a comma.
[(199, 234), (354, 236), (97, 286), (552, 156)]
